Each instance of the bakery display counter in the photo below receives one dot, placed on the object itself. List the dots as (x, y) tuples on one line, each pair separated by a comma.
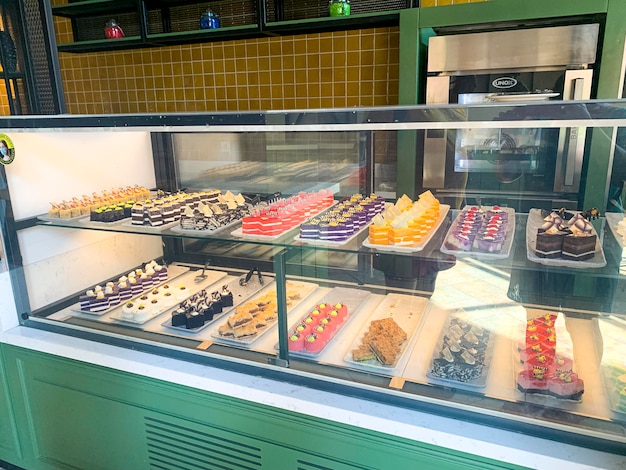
[(283, 261)]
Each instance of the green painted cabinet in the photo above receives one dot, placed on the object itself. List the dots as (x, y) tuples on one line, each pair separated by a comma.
[(9, 443), (74, 415)]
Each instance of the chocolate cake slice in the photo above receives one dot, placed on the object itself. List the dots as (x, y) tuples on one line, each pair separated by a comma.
[(549, 244), (579, 247)]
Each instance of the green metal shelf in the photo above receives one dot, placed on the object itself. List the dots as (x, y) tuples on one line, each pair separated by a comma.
[(204, 35), (311, 25), (129, 42), (94, 7)]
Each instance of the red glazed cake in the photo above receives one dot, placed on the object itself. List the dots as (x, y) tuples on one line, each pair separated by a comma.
[(546, 357)]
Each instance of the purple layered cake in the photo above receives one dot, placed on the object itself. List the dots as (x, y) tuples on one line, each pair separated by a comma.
[(160, 272), (99, 303), (112, 295), (464, 229), (492, 233), (85, 299), (344, 219), (124, 289), (334, 230), (310, 229)]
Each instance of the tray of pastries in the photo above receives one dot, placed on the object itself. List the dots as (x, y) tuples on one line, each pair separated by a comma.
[(382, 343), (256, 315), (314, 331), (556, 240), (462, 355), (101, 299), (484, 231)]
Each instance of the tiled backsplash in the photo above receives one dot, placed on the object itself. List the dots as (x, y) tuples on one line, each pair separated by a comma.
[(340, 69), (326, 70)]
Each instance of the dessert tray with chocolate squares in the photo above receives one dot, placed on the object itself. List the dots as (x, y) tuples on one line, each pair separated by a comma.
[(208, 219), (564, 238), (160, 299), (462, 355), (113, 299), (382, 343), (232, 293), (313, 332), (482, 231), (249, 320)]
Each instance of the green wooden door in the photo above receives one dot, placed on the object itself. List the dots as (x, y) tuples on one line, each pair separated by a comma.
[(9, 443)]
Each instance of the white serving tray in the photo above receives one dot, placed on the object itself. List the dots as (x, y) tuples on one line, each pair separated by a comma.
[(505, 252), (534, 222), (173, 272), (241, 293), (45, 218), (613, 219), (443, 211), (407, 311), (304, 288), (168, 303), (239, 232), (318, 242), (206, 232), (473, 384), (353, 298), (151, 228)]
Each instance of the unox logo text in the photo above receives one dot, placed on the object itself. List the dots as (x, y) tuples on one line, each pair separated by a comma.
[(504, 82)]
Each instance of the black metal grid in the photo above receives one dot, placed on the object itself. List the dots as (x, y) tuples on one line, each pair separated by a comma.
[(187, 17), (92, 28), (289, 10)]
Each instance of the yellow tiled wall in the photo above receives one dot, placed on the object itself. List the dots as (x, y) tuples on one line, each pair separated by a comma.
[(4, 99), (340, 69), (4, 102)]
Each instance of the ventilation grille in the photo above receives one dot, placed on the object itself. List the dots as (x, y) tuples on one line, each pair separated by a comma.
[(176, 447)]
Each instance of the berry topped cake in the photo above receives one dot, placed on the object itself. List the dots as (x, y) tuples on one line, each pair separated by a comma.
[(546, 354), (481, 229)]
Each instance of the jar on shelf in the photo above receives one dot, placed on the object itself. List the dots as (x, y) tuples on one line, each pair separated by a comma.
[(209, 20), (112, 30), (339, 7)]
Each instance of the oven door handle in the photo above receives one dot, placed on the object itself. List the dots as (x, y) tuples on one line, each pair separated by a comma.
[(574, 138)]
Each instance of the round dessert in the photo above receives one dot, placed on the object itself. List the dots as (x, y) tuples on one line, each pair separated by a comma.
[(296, 341), (141, 314), (312, 344), (127, 311)]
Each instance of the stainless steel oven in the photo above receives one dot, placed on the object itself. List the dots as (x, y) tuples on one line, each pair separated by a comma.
[(541, 167)]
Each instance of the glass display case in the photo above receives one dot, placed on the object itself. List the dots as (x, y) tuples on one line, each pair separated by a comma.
[(285, 244)]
